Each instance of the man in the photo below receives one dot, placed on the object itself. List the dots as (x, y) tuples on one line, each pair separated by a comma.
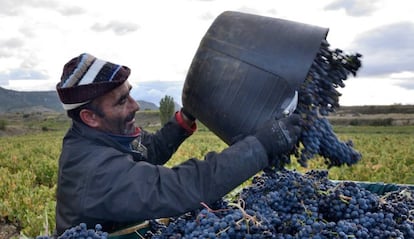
[(110, 171)]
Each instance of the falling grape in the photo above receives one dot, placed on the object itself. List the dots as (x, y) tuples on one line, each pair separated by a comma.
[(317, 98)]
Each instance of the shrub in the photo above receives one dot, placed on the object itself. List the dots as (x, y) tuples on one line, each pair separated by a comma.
[(3, 124), (167, 109)]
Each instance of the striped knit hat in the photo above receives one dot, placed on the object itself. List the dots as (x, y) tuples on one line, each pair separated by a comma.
[(86, 77)]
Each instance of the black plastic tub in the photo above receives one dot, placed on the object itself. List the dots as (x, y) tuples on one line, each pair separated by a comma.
[(246, 71)]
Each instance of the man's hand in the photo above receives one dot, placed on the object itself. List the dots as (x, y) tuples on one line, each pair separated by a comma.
[(279, 136)]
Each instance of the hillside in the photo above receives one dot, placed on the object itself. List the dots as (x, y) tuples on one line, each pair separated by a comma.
[(14, 100), (43, 101)]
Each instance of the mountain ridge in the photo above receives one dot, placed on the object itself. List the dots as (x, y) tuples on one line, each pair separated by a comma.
[(23, 101)]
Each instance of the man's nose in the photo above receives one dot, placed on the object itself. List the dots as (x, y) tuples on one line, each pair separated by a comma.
[(135, 104)]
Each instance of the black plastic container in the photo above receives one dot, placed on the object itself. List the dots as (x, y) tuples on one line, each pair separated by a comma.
[(246, 71)]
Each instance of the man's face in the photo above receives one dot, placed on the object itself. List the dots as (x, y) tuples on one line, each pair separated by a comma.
[(119, 110)]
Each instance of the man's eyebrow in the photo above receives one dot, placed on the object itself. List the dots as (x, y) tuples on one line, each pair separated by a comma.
[(124, 96)]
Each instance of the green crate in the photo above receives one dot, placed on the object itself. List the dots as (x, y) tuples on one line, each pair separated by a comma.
[(380, 188)]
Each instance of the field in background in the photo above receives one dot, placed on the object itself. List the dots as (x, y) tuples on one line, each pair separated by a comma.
[(374, 115), (30, 145)]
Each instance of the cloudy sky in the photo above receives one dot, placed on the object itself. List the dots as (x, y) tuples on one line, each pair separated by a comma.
[(157, 39)]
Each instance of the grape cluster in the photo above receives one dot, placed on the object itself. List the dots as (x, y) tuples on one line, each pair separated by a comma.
[(80, 232), (319, 138), (287, 204), (317, 97)]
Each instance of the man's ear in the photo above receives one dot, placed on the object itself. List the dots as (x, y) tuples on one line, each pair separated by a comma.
[(89, 117)]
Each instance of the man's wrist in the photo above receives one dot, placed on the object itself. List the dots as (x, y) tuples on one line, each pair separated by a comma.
[(189, 125)]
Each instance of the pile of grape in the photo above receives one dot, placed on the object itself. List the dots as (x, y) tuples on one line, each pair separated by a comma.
[(288, 204), (317, 97), (81, 232)]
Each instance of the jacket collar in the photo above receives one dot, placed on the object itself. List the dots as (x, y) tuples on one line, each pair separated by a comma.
[(119, 142)]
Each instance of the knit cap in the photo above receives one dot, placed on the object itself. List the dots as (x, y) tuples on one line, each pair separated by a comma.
[(86, 77)]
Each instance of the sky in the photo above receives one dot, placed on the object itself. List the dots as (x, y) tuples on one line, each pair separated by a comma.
[(158, 39)]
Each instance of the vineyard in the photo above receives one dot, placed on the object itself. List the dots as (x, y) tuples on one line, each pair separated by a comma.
[(28, 163)]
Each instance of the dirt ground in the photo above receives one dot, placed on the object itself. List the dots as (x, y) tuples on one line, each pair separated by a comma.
[(8, 230)]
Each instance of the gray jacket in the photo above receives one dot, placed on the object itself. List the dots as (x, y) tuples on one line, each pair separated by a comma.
[(101, 181)]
